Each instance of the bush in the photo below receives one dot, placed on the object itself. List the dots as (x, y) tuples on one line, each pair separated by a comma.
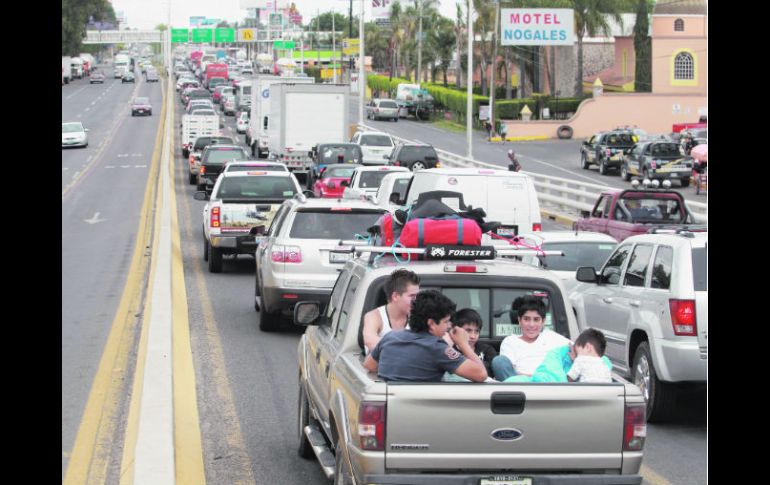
[(510, 108)]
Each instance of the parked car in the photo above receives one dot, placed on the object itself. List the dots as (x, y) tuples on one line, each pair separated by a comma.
[(74, 134), (375, 146), (331, 178), (96, 77), (382, 109), (650, 298), (141, 105), (128, 77), (414, 157), (657, 160), (606, 149)]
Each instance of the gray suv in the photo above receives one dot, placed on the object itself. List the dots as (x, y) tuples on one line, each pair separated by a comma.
[(651, 301)]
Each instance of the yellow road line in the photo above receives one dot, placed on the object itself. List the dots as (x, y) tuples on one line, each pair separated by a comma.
[(650, 476), (95, 438), (239, 461)]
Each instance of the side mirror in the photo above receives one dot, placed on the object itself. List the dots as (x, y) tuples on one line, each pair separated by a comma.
[(345, 183), (201, 195), (586, 274), (307, 313), (585, 214), (395, 198)]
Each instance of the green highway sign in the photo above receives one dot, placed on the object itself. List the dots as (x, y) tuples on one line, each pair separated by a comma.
[(180, 35), (283, 44), (224, 35), (202, 35)]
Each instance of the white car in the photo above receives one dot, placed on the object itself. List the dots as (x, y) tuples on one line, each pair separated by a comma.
[(580, 249), (73, 134), (375, 145), (392, 182), (382, 109), (365, 181), (243, 122)]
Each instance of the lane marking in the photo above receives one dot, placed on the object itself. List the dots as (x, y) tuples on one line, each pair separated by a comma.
[(652, 477), (95, 219), (140, 166), (110, 166)]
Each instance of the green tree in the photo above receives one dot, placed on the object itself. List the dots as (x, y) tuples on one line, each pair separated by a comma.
[(643, 48), (376, 40), (74, 16), (459, 30), (442, 41), (590, 19)]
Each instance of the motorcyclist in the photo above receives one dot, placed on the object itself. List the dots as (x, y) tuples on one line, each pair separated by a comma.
[(514, 166)]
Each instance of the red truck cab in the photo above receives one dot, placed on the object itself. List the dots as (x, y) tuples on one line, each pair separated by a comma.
[(216, 70), (625, 213), (195, 56)]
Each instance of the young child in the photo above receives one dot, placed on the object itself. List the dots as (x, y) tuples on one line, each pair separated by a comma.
[(587, 354), (469, 320)]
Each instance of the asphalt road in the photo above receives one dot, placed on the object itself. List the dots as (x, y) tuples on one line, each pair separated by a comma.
[(103, 188)]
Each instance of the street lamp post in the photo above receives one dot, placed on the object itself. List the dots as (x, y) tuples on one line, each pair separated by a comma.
[(419, 48), (469, 107), (494, 66), (361, 74)]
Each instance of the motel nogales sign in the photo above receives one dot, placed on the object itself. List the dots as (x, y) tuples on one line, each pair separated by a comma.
[(537, 26)]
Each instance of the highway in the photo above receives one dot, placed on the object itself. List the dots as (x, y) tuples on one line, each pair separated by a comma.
[(246, 380)]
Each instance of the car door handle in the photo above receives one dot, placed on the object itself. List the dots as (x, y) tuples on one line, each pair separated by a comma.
[(636, 303), (607, 300)]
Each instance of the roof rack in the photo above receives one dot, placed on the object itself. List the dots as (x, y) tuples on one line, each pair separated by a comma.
[(685, 232), (440, 251)]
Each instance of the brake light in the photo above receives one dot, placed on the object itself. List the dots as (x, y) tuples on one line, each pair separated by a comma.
[(286, 254), (465, 268), (371, 425), (290, 296), (192, 159), (202, 170), (215, 217), (536, 227), (335, 209), (634, 427), (683, 317), (486, 172)]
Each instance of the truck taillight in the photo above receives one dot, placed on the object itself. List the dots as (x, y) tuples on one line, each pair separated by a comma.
[(634, 427), (202, 170), (371, 426), (683, 317), (215, 217), (286, 254), (537, 227)]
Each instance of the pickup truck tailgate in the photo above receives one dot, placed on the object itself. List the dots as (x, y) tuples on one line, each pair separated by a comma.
[(561, 426)]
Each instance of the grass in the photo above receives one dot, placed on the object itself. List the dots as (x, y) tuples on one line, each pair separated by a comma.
[(450, 125)]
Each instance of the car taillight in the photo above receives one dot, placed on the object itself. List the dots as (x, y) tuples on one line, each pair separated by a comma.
[(371, 425), (192, 159), (465, 268), (397, 164), (215, 217), (683, 317), (286, 254), (537, 227), (634, 427)]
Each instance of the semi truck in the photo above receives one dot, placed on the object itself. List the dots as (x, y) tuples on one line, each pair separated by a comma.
[(256, 135), (294, 127)]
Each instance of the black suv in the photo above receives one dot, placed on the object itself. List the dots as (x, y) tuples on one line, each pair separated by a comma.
[(200, 144), (658, 160), (414, 157), (606, 149), (213, 162)]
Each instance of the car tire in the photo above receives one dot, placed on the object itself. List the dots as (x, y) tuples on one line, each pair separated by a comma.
[(659, 396), (624, 173), (417, 166), (193, 179), (205, 248), (564, 132), (602, 167), (268, 321), (215, 260), (341, 469), (305, 450), (583, 161), (395, 119), (685, 182)]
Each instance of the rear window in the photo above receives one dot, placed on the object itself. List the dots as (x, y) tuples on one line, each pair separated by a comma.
[(665, 149), (388, 104), (335, 225), (420, 153), (204, 141), (577, 254), (372, 180), (376, 140), (265, 188), (253, 168), (202, 112), (222, 156), (700, 268), (653, 210), (331, 154), (345, 172), (619, 139)]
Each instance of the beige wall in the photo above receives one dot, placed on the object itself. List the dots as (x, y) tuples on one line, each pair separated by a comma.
[(625, 44), (663, 26), (663, 51), (653, 113)]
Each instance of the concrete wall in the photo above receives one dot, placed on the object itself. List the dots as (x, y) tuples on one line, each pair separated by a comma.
[(596, 58), (654, 113)]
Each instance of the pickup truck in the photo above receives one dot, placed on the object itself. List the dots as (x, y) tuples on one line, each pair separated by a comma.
[(365, 430), (624, 213)]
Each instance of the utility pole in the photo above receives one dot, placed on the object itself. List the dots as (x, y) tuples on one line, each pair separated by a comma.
[(419, 46), (361, 73), (350, 36), (469, 107), (494, 65)]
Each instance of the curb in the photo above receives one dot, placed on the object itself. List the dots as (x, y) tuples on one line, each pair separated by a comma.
[(560, 218), (520, 138)]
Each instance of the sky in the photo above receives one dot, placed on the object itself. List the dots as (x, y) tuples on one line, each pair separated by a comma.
[(146, 14)]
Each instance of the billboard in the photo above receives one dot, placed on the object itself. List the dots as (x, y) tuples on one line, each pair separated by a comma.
[(196, 21), (537, 26), (381, 9)]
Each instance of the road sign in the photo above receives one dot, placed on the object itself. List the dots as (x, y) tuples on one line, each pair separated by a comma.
[(224, 35), (283, 44), (276, 20), (350, 46), (180, 35), (247, 35), (329, 73), (202, 35)]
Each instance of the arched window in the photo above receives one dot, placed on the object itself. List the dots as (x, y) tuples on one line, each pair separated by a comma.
[(684, 66), (678, 25)]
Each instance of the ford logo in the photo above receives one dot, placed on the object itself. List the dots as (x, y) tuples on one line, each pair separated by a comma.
[(506, 434)]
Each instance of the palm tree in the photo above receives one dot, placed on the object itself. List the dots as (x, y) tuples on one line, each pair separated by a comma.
[(396, 38), (459, 28), (591, 18), (484, 26), (443, 42)]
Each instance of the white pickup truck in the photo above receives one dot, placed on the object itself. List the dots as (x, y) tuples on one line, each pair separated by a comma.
[(365, 181), (194, 126), (363, 429)]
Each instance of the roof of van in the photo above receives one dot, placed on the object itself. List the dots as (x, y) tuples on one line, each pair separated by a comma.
[(471, 171)]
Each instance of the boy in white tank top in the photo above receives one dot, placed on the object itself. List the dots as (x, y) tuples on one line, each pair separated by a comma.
[(401, 289)]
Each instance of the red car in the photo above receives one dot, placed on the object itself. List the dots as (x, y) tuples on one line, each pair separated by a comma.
[(332, 178)]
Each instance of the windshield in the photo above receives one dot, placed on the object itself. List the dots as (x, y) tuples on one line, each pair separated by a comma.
[(622, 139), (336, 225), (340, 172), (71, 127), (256, 188), (372, 180), (222, 156), (388, 104), (376, 140), (653, 210), (577, 254), (331, 154)]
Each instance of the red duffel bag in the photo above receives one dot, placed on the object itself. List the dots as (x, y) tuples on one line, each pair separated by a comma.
[(460, 231)]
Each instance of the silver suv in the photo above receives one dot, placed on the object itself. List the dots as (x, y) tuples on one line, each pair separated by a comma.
[(294, 260), (651, 301)]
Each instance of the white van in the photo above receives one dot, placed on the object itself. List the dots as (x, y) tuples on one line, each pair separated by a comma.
[(507, 197)]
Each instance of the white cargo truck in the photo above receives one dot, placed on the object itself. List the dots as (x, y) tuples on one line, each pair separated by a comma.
[(194, 126), (303, 115), (256, 136), (77, 68), (66, 69)]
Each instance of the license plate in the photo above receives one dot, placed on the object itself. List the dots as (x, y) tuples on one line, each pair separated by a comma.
[(506, 481), (504, 231), (339, 257)]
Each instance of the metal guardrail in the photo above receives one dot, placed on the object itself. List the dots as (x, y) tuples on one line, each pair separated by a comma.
[(565, 196)]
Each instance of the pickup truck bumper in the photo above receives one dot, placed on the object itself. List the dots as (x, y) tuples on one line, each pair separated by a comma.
[(235, 244), (273, 298), (422, 479), (681, 361)]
